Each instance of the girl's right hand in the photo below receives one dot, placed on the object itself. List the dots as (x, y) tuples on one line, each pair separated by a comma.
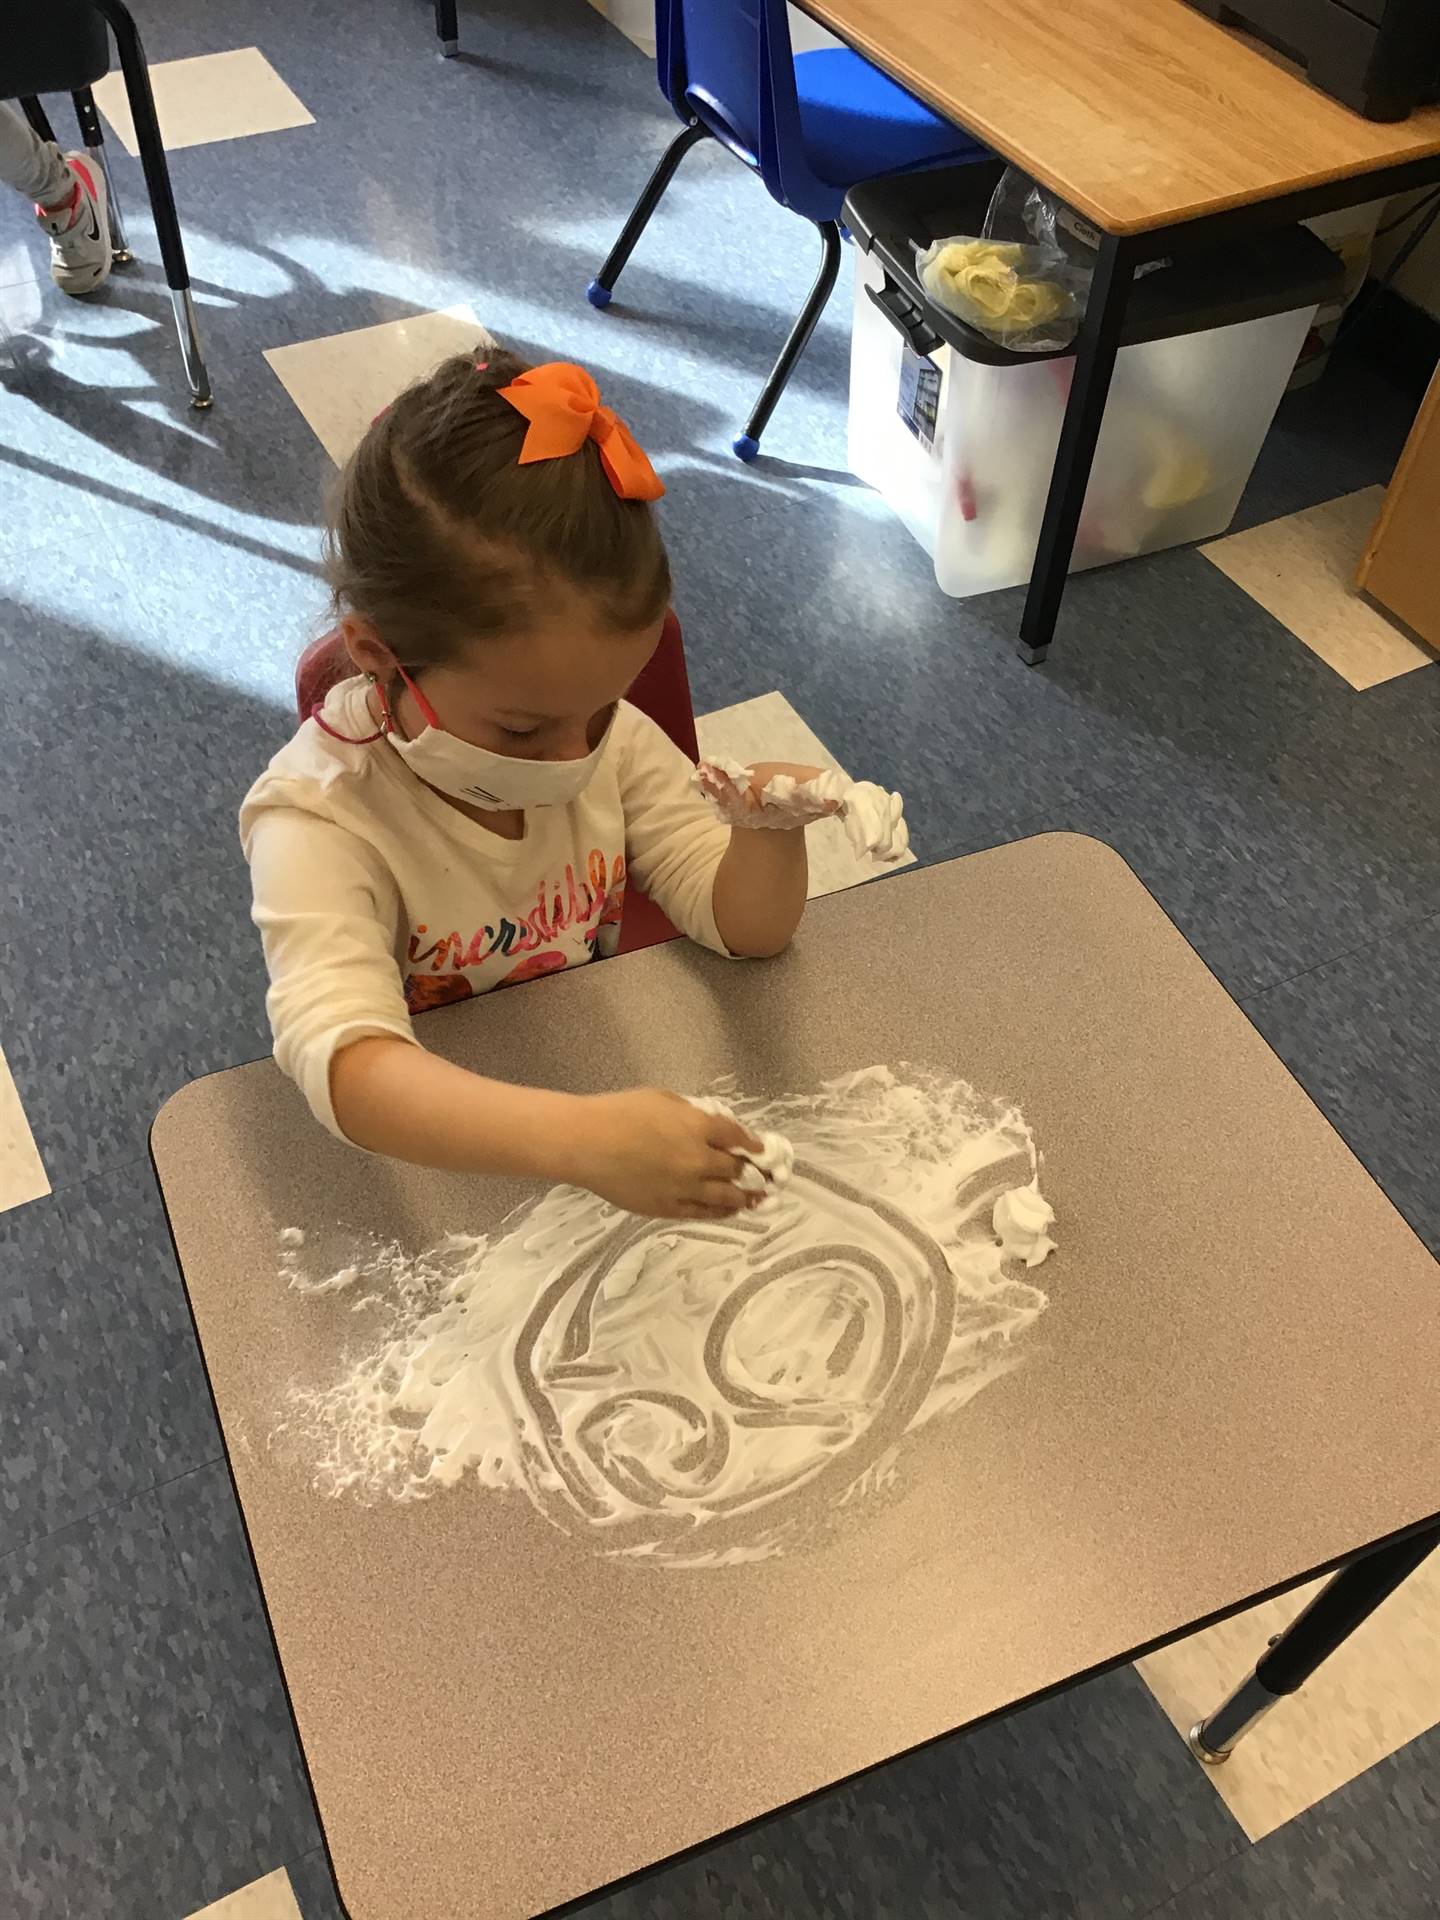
[(652, 1152)]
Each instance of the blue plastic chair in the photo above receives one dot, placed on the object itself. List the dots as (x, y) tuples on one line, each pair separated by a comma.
[(812, 125)]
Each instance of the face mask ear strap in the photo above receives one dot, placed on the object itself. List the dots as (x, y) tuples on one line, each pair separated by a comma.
[(427, 712)]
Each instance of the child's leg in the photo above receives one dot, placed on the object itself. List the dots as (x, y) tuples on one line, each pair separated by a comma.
[(31, 165), (69, 196)]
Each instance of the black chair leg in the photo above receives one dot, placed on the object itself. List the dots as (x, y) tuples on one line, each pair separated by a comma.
[(35, 114), (603, 285), (447, 28), (93, 141), (162, 199), (748, 444)]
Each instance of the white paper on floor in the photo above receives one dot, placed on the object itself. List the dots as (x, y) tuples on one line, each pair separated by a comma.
[(701, 1394)]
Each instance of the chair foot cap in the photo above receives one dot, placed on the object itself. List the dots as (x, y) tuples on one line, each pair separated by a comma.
[(746, 447), (597, 295)]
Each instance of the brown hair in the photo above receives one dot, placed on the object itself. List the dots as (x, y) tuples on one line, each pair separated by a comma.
[(437, 536)]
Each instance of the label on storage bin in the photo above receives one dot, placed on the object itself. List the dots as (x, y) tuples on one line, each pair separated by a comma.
[(919, 402)]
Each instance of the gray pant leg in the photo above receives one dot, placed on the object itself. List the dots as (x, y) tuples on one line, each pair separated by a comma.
[(29, 164)]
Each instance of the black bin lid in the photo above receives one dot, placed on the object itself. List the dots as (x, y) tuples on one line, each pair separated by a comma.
[(1246, 278)]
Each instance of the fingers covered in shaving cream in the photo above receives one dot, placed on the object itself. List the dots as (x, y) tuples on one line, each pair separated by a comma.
[(873, 817)]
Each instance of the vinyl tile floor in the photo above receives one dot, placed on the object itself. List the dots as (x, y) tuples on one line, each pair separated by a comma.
[(352, 206)]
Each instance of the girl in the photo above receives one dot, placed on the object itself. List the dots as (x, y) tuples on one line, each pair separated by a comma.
[(464, 813)]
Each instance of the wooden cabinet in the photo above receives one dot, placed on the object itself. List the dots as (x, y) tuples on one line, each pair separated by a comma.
[(1401, 566)]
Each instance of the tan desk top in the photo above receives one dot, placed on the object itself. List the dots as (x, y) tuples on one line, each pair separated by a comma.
[(1233, 1386), (1138, 112)]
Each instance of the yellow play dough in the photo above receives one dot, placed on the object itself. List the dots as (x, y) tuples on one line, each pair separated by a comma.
[(981, 277)]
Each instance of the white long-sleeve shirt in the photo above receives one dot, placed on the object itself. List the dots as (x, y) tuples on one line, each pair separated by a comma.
[(376, 899)]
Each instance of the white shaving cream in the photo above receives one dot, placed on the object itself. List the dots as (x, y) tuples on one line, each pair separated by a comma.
[(874, 819), (698, 1394), (763, 1172)]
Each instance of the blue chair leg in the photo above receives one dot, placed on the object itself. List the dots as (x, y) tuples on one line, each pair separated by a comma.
[(602, 286), (748, 444)]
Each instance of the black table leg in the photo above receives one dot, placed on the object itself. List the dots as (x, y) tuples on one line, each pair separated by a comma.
[(1346, 1600), (447, 28), (1094, 363)]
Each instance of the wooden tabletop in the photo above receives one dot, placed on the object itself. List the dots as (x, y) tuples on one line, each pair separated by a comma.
[(1232, 1386), (1138, 112)]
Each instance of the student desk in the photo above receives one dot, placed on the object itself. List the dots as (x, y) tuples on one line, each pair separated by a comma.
[(1232, 1389), (1167, 131)]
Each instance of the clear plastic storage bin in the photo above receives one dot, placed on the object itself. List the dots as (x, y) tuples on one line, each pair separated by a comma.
[(1184, 422)]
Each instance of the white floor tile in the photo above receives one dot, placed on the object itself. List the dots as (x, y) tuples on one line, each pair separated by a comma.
[(634, 18), (1301, 569), (769, 728), (1380, 1690), (267, 1899), (342, 380), (214, 96), (22, 1173)]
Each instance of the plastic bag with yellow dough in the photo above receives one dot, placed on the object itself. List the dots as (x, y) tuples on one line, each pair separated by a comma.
[(984, 282)]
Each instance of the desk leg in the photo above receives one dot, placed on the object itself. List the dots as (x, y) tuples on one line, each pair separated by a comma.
[(1341, 1605), (447, 29), (1079, 431)]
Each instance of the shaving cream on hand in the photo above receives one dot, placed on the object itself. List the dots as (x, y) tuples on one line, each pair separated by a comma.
[(874, 819), (764, 1172)]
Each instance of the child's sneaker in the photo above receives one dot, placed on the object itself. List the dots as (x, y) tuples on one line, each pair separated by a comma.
[(79, 230)]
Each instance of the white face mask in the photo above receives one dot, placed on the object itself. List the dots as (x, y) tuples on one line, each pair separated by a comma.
[(494, 782)]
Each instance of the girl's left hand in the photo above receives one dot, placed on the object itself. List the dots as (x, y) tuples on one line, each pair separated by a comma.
[(743, 802), (764, 771)]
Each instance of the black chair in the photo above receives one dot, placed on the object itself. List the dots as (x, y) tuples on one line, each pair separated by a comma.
[(61, 46)]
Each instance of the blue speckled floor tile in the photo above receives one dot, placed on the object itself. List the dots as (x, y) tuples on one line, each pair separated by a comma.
[(1367, 1853), (96, 1638), (120, 1252), (69, 1439), (1263, 804), (1169, 691), (254, 1738), (210, 519), (145, 1761), (1328, 439), (166, 758), (1362, 1035), (142, 991), (1264, 878), (1082, 1808)]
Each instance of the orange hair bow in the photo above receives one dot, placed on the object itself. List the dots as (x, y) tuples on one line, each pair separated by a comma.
[(562, 404)]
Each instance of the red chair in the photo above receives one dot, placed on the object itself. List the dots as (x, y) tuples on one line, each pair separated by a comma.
[(662, 691)]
